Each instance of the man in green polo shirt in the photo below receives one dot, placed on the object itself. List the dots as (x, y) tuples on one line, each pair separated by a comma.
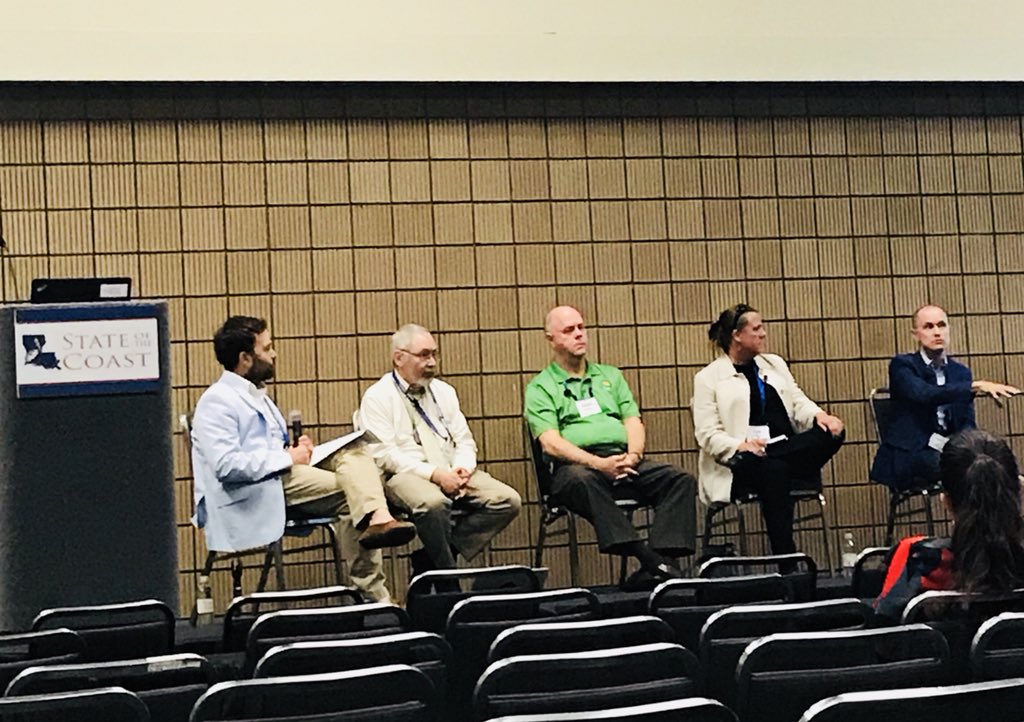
[(588, 425)]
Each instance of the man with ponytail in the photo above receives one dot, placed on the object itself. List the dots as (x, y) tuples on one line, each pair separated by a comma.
[(985, 554)]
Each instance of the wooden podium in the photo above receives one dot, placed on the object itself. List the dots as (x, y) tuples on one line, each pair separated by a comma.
[(87, 503)]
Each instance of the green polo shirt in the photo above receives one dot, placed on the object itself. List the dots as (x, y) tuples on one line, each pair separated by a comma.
[(550, 403)]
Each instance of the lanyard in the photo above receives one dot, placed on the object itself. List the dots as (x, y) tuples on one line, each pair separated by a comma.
[(760, 386), (423, 414), (278, 424)]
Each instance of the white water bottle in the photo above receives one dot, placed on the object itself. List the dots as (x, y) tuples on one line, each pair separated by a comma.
[(850, 553)]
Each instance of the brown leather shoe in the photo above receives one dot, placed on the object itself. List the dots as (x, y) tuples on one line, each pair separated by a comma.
[(392, 533)]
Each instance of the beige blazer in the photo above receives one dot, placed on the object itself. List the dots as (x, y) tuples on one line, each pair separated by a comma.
[(721, 414)]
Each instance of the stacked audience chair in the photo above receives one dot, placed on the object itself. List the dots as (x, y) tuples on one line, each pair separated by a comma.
[(168, 685), (423, 650), (115, 631), (432, 595), (781, 675), (243, 611), (686, 604), (694, 709), (308, 625), (396, 693), (593, 680), (30, 649), (728, 632), (959, 616), (585, 636), (107, 704), (997, 651), (999, 701), (798, 570), (474, 624)]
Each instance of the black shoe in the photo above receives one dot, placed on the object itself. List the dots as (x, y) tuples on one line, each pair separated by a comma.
[(421, 562), (640, 581), (664, 572)]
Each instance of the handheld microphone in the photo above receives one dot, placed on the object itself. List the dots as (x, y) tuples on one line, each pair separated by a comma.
[(295, 420)]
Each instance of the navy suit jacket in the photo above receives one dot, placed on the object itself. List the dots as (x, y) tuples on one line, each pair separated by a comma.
[(915, 395)]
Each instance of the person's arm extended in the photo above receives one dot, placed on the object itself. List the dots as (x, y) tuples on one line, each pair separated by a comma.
[(904, 383)]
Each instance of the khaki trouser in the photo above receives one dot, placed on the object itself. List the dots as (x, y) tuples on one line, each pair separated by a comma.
[(489, 505), (352, 492)]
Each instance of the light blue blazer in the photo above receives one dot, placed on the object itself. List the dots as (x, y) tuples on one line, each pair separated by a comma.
[(238, 457)]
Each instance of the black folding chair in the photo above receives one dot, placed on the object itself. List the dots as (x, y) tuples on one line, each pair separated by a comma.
[(727, 633), (902, 503), (999, 701), (423, 650), (798, 571), (395, 692), (243, 611), (686, 604), (592, 680), (869, 573), (115, 631), (551, 512), (21, 651), (475, 623), (997, 651), (781, 675), (168, 685), (585, 636), (296, 526), (319, 625), (108, 704), (694, 709), (810, 490), (432, 595), (959, 616)]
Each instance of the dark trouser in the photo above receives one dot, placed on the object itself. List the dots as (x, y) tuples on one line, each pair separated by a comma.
[(789, 466), (671, 491)]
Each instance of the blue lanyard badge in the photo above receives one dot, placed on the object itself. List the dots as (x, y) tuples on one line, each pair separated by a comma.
[(423, 414), (760, 387)]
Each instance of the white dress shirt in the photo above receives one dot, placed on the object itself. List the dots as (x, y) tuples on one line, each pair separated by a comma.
[(385, 412)]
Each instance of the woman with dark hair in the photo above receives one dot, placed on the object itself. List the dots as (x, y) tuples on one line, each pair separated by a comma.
[(981, 491), (757, 430)]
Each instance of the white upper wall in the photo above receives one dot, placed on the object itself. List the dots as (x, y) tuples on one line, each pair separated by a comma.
[(513, 40)]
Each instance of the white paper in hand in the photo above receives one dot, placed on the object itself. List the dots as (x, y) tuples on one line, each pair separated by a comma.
[(322, 452)]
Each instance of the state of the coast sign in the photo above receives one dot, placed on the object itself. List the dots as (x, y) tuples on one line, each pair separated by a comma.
[(93, 350)]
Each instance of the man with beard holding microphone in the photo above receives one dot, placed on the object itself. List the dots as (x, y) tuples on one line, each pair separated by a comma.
[(247, 472)]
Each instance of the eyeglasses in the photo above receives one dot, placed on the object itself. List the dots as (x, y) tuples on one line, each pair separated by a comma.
[(425, 354)]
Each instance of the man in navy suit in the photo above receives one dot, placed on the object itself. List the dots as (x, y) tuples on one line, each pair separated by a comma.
[(932, 398)]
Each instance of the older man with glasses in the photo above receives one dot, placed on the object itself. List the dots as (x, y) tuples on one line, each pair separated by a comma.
[(429, 458)]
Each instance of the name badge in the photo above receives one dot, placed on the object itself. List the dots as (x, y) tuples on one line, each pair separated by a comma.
[(758, 433), (588, 407), (937, 441)]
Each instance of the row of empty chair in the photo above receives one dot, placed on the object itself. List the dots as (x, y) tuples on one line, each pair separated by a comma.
[(743, 642)]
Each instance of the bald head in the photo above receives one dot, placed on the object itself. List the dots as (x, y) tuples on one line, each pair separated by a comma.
[(931, 330), (556, 315), (929, 310), (567, 334)]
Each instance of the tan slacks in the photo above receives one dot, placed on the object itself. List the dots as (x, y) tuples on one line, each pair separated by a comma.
[(489, 506), (352, 492)]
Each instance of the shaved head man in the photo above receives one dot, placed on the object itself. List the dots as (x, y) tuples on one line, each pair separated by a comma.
[(932, 398), (589, 428)]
